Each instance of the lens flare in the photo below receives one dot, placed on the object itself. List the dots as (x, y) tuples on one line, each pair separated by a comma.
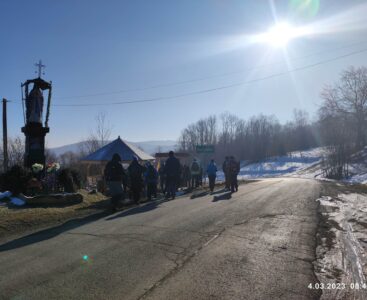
[(280, 34), (304, 8)]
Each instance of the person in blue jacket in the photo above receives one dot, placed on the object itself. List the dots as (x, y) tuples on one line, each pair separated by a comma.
[(211, 170)]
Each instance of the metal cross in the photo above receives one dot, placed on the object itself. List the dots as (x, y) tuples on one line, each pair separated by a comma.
[(39, 65)]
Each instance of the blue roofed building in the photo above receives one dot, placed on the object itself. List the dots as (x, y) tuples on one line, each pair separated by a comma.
[(126, 151), (96, 161)]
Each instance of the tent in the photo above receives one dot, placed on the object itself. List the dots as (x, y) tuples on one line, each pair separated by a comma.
[(96, 161), (126, 151)]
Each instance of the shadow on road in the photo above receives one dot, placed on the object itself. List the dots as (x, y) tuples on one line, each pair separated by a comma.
[(224, 196), (50, 232), (218, 192), (136, 210)]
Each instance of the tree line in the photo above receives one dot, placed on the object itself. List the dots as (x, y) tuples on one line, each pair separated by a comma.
[(254, 139), (339, 126)]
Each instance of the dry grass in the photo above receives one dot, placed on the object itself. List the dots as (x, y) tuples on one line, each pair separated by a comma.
[(17, 220)]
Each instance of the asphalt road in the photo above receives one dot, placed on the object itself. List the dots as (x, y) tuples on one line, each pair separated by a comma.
[(260, 244)]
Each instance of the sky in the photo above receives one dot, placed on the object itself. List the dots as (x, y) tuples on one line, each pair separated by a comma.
[(199, 56)]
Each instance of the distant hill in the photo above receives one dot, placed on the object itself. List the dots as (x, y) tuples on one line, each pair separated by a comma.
[(150, 147)]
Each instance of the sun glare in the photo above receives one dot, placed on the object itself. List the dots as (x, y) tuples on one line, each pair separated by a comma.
[(280, 34)]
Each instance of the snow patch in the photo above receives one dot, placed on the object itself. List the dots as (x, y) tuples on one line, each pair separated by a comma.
[(293, 164), (342, 245)]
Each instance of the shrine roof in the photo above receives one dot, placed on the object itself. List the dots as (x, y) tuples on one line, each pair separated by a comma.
[(126, 151)]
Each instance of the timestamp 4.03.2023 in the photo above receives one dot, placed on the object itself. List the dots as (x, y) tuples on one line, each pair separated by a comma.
[(337, 286)]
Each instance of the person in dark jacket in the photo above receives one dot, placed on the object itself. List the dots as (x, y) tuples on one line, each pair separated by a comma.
[(233, 171), (186, 176), (162, 178), (172, 171), (195, 173), (211, 170), (225, 168), (135, 171), (115, 177), (238, 172), (151, 180)]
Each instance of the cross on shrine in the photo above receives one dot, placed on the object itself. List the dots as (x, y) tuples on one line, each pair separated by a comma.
[(40, 66)]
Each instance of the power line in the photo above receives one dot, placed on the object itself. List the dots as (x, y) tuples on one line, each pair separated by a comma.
[(211, 89), (169, 84), (216, 88)]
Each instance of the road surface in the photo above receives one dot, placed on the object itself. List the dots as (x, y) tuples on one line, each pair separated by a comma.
[(260, 244)]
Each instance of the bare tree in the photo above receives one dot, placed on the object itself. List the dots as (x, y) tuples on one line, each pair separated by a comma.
[(69, 159), (259, 137), (100, 136), (348, 98), (16, 148), (203, 132), (336, 133)]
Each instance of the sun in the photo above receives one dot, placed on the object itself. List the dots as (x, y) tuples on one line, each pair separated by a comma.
[(280, 34)]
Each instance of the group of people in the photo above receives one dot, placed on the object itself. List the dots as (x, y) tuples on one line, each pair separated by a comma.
[(169, 177), (190, 176), (137, 177)]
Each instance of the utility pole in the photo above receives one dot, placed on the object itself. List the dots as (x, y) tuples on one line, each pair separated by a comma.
[(5, 136)]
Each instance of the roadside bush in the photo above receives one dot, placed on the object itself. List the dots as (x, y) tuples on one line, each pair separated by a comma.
[(77, 178), (69, 180), (15, 180)]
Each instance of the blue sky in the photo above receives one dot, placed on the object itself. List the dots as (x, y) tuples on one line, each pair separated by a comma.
[(97, 47)]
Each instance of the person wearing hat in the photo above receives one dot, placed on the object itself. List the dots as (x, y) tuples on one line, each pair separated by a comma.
[(115, 178), (136, 171)]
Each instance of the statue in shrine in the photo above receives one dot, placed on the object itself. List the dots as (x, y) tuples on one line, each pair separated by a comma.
[(34, 129), (34, 105)]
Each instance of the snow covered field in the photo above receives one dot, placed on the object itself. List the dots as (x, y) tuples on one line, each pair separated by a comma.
[(289, 165), (305, 164)]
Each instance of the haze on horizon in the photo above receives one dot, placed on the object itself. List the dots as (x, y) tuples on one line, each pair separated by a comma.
[(196, 58)]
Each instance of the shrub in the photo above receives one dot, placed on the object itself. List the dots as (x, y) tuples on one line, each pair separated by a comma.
[(77, 178), (69, 179), (15, 180)]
